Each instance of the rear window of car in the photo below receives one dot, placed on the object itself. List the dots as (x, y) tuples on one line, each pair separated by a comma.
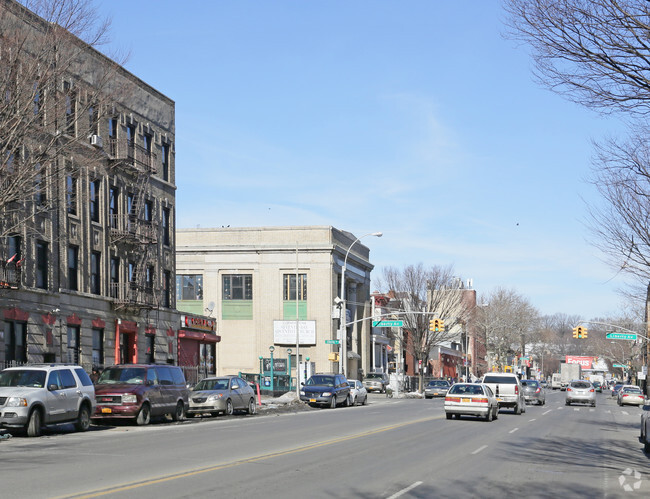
[(580, 384), (444, 384), (530, 382), (632, 390), (83, 377), (466, 390), (502, 380)]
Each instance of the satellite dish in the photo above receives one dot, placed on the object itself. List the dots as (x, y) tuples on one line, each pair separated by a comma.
[(211, 305)]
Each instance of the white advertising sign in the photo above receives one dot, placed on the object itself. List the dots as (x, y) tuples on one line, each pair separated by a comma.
[(284, 332)]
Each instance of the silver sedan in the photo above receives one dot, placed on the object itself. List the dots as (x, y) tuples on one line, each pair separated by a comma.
[(358, 392), (221, 395), (630, 395), (533, 391), (472, 399), (581, 391)]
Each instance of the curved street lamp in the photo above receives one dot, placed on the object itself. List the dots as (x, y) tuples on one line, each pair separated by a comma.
[(343, 357)]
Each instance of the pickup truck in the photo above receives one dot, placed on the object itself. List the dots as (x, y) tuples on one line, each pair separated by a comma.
[(507, 389)]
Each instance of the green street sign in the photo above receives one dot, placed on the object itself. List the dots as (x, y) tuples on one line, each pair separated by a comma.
[(332, 342), (619, 365), (387, 323), (621, 336)]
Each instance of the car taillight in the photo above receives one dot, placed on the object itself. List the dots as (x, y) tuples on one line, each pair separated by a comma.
[(591, 390), (452, 399), (480, 400), (516, 390), (568, 389), (538, 390), (625, 395)]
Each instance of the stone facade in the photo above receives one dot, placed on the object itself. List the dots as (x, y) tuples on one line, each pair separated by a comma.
[(247, 281)]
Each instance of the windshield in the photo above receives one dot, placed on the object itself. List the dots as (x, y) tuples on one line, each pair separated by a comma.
[(212, 384), (23, 377), (374, 376), (321, 380), (122, 375), (441, 383)]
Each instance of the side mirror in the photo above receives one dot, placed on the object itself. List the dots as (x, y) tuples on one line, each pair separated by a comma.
[(52, 387)]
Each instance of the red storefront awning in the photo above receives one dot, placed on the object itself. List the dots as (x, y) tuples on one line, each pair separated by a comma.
[(199, 336)]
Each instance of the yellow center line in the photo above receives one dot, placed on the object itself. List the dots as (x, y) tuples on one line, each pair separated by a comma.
[(167, 478)]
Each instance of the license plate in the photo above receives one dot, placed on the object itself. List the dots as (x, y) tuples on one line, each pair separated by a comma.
[(466, 400), (106, 410), (435, 393), (312, 400), (499, 399)]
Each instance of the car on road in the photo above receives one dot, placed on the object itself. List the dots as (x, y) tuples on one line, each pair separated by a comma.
[(645, 425), (507, 389), (598, 386), (471, 399), (616, 388), (140, 392), (36, 395), (436, 388), (328, 390), (221, 395), (580, 391), (376, 382), (630, 395), (533, 391), (358, 392)]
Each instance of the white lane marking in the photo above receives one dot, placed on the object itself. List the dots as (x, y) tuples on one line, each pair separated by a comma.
[(625, 413), (560, 408), (404, 491), (513, 430), (482, 447), (545, 413), (592, 410), (531, 420), (576, 409)]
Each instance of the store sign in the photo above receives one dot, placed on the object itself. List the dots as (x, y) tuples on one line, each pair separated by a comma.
[(284, 332), (198, 323), (585, 362)]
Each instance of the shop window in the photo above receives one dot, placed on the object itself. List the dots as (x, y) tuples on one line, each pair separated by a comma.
[(15, 342)]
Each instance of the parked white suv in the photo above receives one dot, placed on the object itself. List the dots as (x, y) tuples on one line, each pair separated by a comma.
[(508, 390), (35, 395)]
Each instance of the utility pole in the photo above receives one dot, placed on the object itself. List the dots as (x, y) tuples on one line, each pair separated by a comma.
[(646, 342)]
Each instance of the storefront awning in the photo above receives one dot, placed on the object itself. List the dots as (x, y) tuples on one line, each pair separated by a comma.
[(198, 336)]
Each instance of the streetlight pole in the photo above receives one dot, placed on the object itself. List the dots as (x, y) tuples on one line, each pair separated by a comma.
[(271, 349), (342, 327)]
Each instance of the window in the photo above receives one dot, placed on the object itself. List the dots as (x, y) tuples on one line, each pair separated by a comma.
[(14, 244), (115, 276), (73, 344), (130, 209), (73, 268), (70, 108), (238, 287), (71, 194), (130, 135), (40, 186), (148, 210), (147, 140), (149, 282), (132, 271), (112, 136), (95, 186), (167, 282), (165, 226), (289, 292), (98, 347), (41, 265), (150, 347), (189, 287), (15, 341), (113, 207), (95, 275), (93, 120), (165, 161), (36, 101)]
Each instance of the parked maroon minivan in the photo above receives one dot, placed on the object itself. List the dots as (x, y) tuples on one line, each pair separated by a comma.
[(140, 392)]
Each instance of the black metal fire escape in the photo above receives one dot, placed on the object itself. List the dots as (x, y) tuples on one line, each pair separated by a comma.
[(135, 232)]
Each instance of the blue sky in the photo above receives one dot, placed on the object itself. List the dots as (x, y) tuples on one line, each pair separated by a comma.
[(417, 119)]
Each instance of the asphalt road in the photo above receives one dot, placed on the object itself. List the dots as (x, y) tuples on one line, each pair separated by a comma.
[(390, 448)]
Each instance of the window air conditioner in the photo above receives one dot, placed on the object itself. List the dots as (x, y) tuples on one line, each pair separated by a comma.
[(96, 140)]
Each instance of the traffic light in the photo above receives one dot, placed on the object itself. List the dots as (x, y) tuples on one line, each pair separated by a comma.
[(580, 332), (584, 332), (436, 325), (575, 332)]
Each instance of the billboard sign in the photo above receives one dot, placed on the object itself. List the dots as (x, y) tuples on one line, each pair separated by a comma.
[(284, 332), (585, 362)]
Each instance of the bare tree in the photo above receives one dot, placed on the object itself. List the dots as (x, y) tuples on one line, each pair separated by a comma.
[(425, 294), (51, 99), (507, 321)]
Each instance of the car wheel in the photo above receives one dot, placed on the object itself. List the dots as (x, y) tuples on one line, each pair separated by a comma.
[(34, 424), (365, 400), (144, 416), (333, 402), (517, 410), (593, 404), (251, 406), (448, 415), (179, 413), (646, 447), (83, 419), (346, 403), (496, 412), (229, 407), (355, 401), (567, 402), (489, 416)]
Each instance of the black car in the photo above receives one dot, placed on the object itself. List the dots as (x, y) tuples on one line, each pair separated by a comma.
[(328, 390)]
